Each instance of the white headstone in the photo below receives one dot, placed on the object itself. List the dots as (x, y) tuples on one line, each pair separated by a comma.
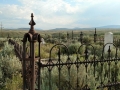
[(43, 42), (108, 39)]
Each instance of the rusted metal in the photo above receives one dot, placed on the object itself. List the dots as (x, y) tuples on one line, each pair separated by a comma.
[(72, 35), (30, 68), (95, 36), (51, 63), (32, 64), (32, 23), (8, 36), (81, 37)]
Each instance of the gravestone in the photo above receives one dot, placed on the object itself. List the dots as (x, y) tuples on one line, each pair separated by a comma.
[(43, 41), (108, 38)]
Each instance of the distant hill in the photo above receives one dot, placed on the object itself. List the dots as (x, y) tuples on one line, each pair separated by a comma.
[(107, 26), (67, 28), (110, 26), (60, 29), (23, 28), (76, 28), (28, 29)]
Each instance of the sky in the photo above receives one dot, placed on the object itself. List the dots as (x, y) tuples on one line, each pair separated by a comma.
[(50, 14)]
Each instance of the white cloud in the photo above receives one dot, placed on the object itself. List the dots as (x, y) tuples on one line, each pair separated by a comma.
[(70, 9), (48, 9), (56, 20), (15, 11), (93, 2), (51, 6), (0, 12), (54, 13)]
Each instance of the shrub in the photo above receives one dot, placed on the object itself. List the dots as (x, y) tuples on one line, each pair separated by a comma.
[(10, 68)]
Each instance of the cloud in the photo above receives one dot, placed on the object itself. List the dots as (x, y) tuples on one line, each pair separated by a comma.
[(0, 12), (57, 20), (53, 12), (14, 11), (61, 13), (51, 6)]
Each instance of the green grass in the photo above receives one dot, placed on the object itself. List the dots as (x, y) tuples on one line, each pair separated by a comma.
[(20, 33)]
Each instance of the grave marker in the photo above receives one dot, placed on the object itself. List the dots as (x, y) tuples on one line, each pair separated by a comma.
[(108, 39)]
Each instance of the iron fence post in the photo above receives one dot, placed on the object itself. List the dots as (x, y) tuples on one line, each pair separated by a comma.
[(30, 70)]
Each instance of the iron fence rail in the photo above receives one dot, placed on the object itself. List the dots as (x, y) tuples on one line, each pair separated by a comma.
[(51, 63)]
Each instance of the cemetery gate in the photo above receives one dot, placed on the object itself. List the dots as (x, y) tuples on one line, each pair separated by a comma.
[(87, 69)]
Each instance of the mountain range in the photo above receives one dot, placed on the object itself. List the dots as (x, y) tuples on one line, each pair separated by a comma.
[(102, 27), (77, 28), (110, 26)]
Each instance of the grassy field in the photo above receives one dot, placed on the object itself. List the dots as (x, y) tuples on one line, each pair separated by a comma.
[(13, 79), (20, 33)]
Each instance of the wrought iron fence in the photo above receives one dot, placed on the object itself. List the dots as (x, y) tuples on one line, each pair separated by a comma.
[(86, 71)]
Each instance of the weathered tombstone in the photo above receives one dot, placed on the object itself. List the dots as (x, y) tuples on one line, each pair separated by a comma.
[(43, 41), (108, 39)]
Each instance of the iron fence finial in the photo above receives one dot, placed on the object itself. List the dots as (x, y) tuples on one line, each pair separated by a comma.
[(32, 23), (95, 36), (81, 37)]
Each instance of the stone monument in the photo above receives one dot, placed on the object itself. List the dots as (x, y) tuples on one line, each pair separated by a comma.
[(108, 38)]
